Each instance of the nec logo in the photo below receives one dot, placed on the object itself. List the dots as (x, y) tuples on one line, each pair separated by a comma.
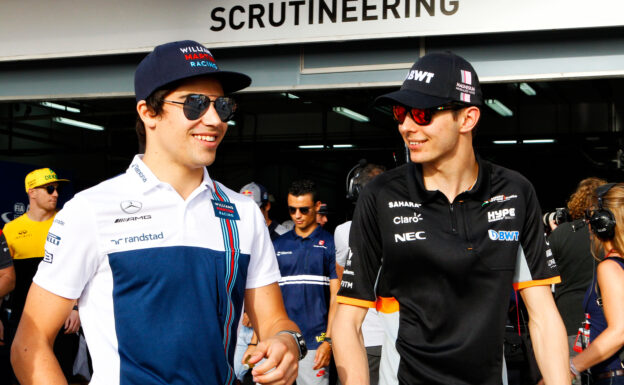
[(419, 76), (503, 235), (499, 215), (409, 237)]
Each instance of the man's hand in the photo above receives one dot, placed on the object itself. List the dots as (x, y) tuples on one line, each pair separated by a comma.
[(248, 353), (323, 354), (282, 355), (72, 323), (246, 321)]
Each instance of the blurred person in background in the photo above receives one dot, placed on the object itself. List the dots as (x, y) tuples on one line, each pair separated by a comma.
[(570, 245), (604, 300)]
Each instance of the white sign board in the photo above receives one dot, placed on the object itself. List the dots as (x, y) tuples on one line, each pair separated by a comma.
[(33, 29)]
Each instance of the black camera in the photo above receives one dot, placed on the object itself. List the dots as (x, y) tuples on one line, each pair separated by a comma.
[(559, 216)]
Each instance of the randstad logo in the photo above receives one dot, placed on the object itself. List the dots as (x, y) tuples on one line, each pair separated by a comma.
[(138, 238), (503, 235)]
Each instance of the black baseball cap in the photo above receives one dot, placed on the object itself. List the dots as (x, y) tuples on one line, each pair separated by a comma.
[(437, 79), (180, 60)]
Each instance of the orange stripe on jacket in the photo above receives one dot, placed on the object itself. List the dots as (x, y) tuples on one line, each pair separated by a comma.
[(355, 301), (387, 305), (539, 282)]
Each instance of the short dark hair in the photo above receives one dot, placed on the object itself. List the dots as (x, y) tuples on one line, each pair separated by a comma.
[(154, 102), (302, 187), (366, 174)]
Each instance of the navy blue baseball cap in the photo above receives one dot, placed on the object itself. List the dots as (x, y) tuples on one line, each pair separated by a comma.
[(180, 60), (437, 79)]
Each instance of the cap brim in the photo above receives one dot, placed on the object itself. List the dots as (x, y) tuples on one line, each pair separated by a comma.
[(231, 81), (46, 183), (411, 99)]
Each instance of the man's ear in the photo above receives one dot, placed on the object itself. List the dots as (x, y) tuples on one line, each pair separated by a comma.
[(317, 206), (147, 115), (469, 119)]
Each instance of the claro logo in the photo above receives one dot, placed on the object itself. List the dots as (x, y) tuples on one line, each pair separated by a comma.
[(409, 237), (403, 220)]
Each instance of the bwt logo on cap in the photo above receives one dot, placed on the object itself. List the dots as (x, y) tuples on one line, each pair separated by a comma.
[(420, 76)]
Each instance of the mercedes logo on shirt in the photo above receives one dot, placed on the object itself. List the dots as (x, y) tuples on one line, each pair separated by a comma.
[(131, 207)]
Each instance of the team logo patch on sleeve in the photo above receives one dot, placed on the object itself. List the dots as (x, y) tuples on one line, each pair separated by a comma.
[(225, 210), (48, 257)]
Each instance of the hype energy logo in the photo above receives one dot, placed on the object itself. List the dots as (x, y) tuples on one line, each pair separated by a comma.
[(502, 235)]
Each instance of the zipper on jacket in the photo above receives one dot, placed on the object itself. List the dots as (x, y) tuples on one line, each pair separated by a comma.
[(453, 219)]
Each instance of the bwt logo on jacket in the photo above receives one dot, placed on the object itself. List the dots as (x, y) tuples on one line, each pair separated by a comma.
[(503, 235)]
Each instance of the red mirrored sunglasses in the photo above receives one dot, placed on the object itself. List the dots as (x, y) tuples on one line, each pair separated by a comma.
[(422, 116)]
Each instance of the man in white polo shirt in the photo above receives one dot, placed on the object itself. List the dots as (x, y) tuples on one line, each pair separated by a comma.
[(163, 256)]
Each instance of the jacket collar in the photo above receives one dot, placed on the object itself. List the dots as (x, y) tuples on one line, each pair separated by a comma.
[(481, 190), (146, 180)]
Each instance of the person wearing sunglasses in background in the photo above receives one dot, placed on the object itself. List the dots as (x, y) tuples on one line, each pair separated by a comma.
[(26, 237), (162, 257), (307, 262), (438, 243)]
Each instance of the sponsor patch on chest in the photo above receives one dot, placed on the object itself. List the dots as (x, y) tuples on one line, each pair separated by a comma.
[(225, 210), (499, 215), (504, 235)]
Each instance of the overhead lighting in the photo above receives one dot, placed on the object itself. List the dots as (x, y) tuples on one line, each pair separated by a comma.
[(499, 107), (350, 114), (289, 95), (533, 141), (77, 123), (311, 146), (527, 89), (505, 141), (60, 107), (231, 123), (343, 146)]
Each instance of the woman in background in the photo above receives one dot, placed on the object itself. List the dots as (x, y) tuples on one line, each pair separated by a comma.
[(604, 300)]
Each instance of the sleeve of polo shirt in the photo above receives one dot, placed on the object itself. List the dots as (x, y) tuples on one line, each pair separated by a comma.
[(358, 280), (71, 256), (330, 253), (5, 256), (263, 269), (535, 264), (341, 240)]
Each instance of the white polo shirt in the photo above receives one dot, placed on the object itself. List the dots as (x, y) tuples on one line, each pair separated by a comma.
[(161, 279)]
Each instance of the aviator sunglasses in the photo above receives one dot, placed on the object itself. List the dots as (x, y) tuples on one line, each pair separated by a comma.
[(421, 116), (50, 189), (195, 105), (304, 210)]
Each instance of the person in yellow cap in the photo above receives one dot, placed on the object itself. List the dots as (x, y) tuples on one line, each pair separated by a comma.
[(26, 237)]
